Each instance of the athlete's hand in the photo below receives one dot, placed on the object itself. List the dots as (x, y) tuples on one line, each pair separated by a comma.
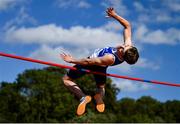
[(66, 57), (110, 12)]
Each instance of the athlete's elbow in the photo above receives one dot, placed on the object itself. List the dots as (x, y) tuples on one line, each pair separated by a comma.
[(127, 25)]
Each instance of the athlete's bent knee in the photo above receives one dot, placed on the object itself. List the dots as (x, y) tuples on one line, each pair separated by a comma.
[(66, 80)]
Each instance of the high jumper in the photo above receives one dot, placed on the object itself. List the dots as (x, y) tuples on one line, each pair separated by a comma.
[(99, 61)]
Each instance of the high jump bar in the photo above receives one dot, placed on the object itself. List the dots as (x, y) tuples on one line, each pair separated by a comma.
[(88, 71)]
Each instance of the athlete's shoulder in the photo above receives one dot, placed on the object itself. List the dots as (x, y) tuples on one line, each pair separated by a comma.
[(108, 59), (107, 55)]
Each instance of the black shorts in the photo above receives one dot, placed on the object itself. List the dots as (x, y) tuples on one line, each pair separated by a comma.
[(100, 79)]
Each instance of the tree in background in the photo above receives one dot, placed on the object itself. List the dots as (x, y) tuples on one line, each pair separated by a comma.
[(39, 95)]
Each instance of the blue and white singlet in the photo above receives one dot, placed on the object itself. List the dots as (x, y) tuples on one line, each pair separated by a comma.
[(107, 50)]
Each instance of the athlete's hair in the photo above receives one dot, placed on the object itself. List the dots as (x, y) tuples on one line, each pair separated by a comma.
[(131, 55)]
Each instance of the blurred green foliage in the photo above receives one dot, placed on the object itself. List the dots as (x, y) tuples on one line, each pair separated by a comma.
[(39, 96)]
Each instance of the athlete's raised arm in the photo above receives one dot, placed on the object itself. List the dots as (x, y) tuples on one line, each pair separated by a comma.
[(127, 26)]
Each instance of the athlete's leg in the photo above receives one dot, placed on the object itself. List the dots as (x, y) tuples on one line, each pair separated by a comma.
[(100, 89), (73, 87), (100, 92)]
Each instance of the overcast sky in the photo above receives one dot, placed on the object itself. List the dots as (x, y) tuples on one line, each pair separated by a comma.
[(41, 29)]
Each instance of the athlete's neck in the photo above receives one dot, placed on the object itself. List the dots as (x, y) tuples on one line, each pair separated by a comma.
[(120, 53)]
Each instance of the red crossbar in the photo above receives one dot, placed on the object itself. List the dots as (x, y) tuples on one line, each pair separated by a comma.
[(88, 71)]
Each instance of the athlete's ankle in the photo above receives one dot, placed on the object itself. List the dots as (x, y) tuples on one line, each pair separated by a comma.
[(86, 97), (82, 106), (82, 98)]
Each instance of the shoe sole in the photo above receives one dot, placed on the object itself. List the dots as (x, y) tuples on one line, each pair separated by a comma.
[(82, 106), (100, 106)]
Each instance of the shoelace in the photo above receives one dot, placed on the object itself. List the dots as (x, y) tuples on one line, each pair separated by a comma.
[(82, 100)]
